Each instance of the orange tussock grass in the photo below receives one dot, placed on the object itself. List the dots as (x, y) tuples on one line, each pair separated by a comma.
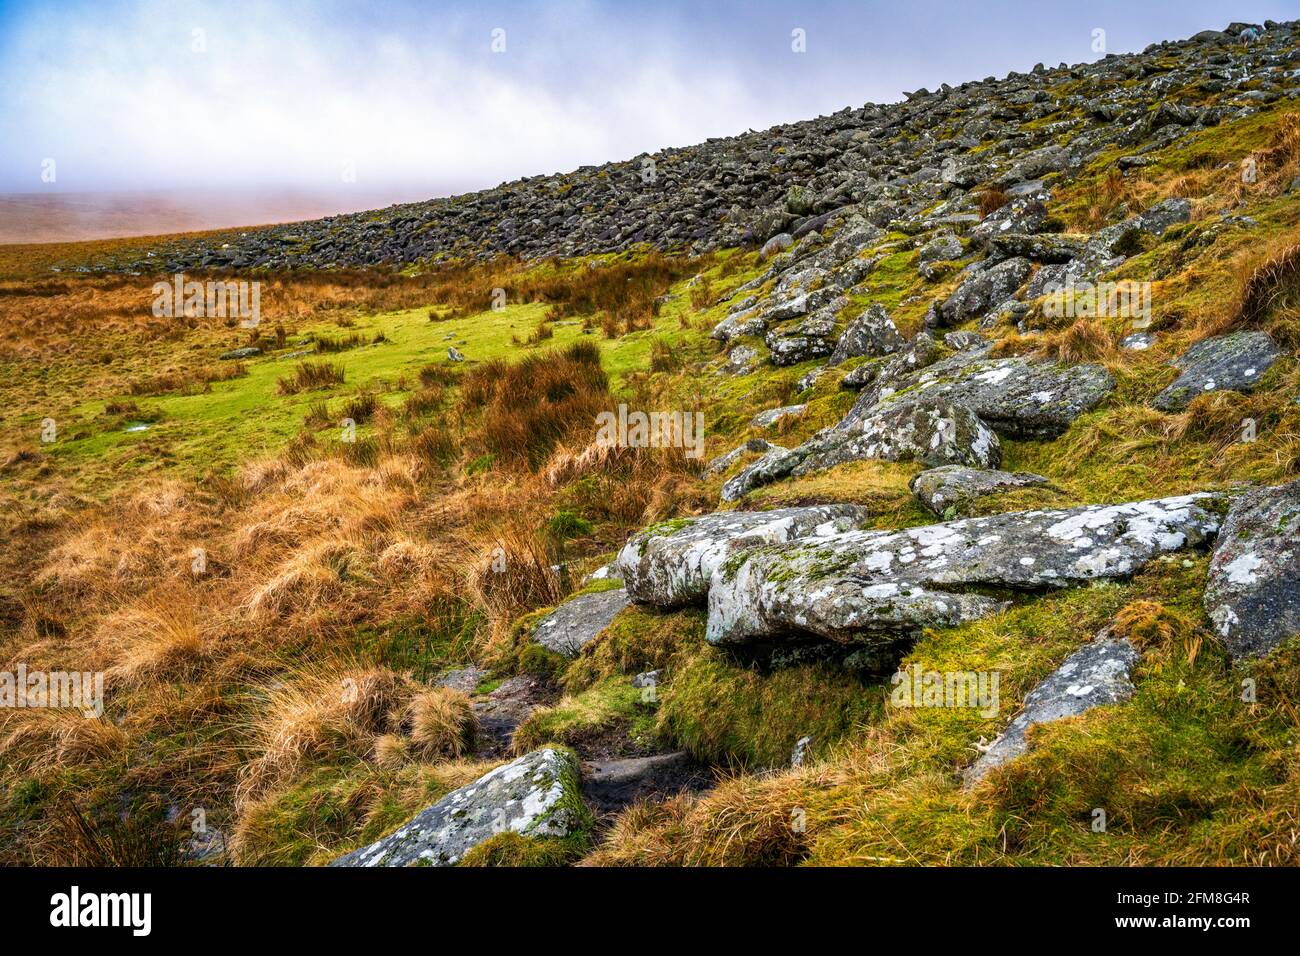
[(442, 724), (530, 406), (320, 716)]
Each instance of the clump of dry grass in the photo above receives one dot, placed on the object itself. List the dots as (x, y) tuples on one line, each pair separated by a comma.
[(530, 406), (392, 751), (188, 381), (1268, 289), (442, 724), (1157, 630), (991, 200), (126, 841), (317, 718), (309, 578), (55, 738), (628, 485), (1087, 340), (664, 356), (514, 572), (311, 375), (158, 638), (746, 821)]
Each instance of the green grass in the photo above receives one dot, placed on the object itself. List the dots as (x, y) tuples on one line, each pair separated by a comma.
[(191, 436)]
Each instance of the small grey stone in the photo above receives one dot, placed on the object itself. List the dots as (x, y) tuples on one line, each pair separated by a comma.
[(465, 679), (951, 490), (646, 679), (532, 796), (1234, 361), (772, 416), (1092, 676), (577, 621), (723, 462)]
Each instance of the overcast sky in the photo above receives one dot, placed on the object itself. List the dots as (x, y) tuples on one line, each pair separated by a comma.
[(164, 94)]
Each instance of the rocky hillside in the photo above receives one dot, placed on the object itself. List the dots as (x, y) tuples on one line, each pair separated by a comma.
[(907, 166), (983, 550)]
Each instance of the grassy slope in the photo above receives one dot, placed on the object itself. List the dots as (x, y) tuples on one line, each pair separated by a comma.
[(1187, 772)]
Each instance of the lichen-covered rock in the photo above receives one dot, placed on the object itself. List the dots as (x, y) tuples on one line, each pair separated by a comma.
[(537, 795), (1016, 397), (773, 415), (1154, 221), (670, 564), (1023, 214), (813, 337), (936, 433), (577, 621), (1095, 675), (754, 446), (1234, 361), (773, 466), (741, 360), (963, 341), (986, 286), (864, 587), (949, 491), (1012, 396), (871, 333), (1253, 591), (943, 247), (887, 375), (1040, 247)]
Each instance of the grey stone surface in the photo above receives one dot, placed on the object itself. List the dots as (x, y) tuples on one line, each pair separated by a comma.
[(1234, 361), (961, 341), (1156, 220), (776, 464), (865, 587), (1016, 397), (742, 359), (951, 490), (774, 415), (534, 795), (885, 376), (981, 396), (810, 337), (1095, 675), (872, 333), (933, 432), (577, 621), (248, 351), (723, 462), (984, 288), (670, 564), (464, 679), (1252, 593), (942, 247)]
